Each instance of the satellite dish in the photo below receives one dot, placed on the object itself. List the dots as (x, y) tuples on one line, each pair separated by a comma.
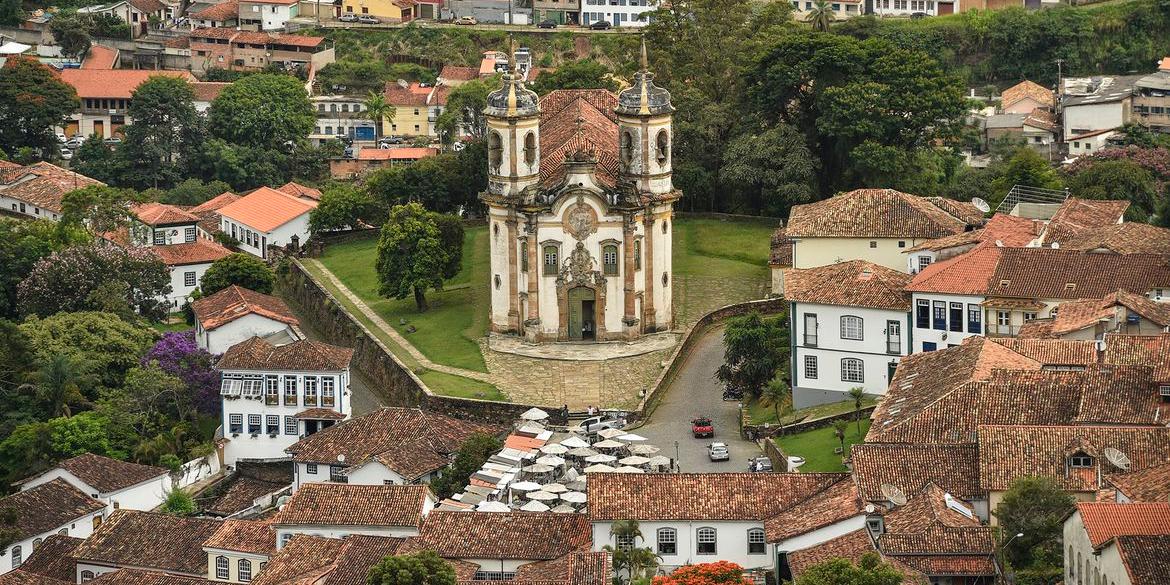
[(980, 204), (1117, 458), (1055, 245), (341, 458), (999, 243), (893, 494), (403, 84), (870, 509)]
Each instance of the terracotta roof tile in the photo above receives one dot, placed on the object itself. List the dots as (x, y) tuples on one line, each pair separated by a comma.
[(872, 213), (53, 558), (969, 273), (850, 546), (910, 467), (951, 565), (780, 249), (1148, 485), (1026, 90), (343, 504), (149, 540), (100, 57), (108, 475), (266, 209), (700, 496), (255, 38), (561, 135), (1122, 238), (1013, 231), (139, 577), (1009, 452), (1052, 352), (23, 577), (215, 203), (250, 536), (241, 494), (856, 283), (840, 501), (305, 354), (162, 214), (1105, 521), (1153, 351), (414, 94), (298, 190), (233, 302), (201, 251), (931, 524), (404, 153), (313, 560), (1077, 215), (43, 184), (452, 72), (207, 91), (319, 413), (502, 535), (148, 6), (1145, 558), (113, 83), (47, 507), (222, 12)]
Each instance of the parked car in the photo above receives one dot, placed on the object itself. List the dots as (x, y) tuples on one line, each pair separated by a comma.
[(393, 140), (702, 427), (759, 464), (918, 15), (348, 17), (66, 154), (61, 138), (466, 20), (718, 452), (367, 19), (74, 143), (605, 421), (547, 23), (601, 25), (112, 141)]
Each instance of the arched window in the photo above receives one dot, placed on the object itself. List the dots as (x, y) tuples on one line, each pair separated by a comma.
[(1069, 562), (667, 541), (705, 541), (244, 570), (63, 532), (87, 575), (530, 148), (16, 556), (495, 151), (755, 538), (627, 148), (851, 327), (550, 260), (221, 567), (852, 370), (609, 257), (663, 142), (637, 254)]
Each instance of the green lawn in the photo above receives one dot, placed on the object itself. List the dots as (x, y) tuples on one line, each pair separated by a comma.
[(817, 445), (173, 322), (718, 262), (461, 387), (766, 414)]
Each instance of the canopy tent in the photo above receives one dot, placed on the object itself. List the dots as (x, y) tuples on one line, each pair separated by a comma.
[(581, 452), (564, 509), (610, 433), (538, 468), (541, 495), (659, 461), (552, 460), (555, 488), (601, 458), (634, 460), (573, 497), (608, 444), (630, 438), (554, 449), (534, 506), (574, 442), (492, 507), (524, 486), (534, 414), (598, 468), (643, 449), (628, 469)]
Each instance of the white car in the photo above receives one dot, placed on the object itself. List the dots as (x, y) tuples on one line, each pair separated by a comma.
[(718, 452), (600, 423), (66, 154)]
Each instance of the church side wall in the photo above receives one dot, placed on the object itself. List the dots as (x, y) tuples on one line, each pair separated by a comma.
[(498, 232)]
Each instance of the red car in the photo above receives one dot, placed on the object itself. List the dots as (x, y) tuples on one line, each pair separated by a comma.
[(702, 427)]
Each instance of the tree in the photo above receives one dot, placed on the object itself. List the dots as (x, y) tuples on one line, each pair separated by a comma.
[(411, 256), (857, 393), (1118, 179), (109, 345), (869, 570), (840, 426), (471, 455), (239, 269), (377, 110), (73, 38), (178, 503), (99, 208), (583, 74), (636, 562), (821, 16), (177, 354), (464, 111), (779, 395), (719, 572), (770, 171), (11, 14), (194, 192), (96, 160), (756, 349), (32, 102), (58, 383), (420, 568), (269, 111), (22, 244), (451, 238), (1025, 168), (1035, 507), (75, 278), (343, 207), (166, 131)]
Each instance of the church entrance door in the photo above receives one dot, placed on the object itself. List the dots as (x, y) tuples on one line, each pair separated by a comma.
[(582, 311)]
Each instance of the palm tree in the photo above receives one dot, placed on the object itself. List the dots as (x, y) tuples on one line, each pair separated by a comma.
[(58, 382), (641, 562), (839, 427), (779, 395), (377, 110), (821, 15), (627, 558), (857, 393)]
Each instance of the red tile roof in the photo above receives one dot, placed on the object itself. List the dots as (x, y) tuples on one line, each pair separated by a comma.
[(248, 536), (304, 354), (1026, 90), (315, 560), (1077, 215), (43, 184), (207, 91), (1145, 558), (780, 249), (23, 577), (1011, 230), (140, 577), (1053, 352), (54, 558), (405, 153), (578, 121), (502, 535), (233, 302), (162, 214), (255, 38), (201, 251), (1105, 521), (414, 94), (969, 273), (452, 72), (150, 540), (1148, 485), (1123, 238), (910, 467), (107, 475), (340, 504), (100, 57), (856, 283), (872, 213), (222, 12), (299, 190), (115, 83), (836, 503), (1153, 351), (215, 203), (266, 209), (47, 507)]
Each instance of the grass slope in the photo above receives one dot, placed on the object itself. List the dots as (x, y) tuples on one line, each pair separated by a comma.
[(817, 445)]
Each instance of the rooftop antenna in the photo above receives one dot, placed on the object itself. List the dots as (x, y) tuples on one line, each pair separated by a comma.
[(893, 494), (1117, 458)]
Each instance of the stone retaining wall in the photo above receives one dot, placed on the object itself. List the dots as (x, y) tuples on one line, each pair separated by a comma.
[(805, 425)]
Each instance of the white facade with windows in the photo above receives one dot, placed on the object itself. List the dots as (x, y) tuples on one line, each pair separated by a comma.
[(681, 543), (370, 473), (628, 13), (836, 348), (341, 115), (255, 241), (943, 320), (144, 496), (233, 566), (1085, 564), (218, 340)]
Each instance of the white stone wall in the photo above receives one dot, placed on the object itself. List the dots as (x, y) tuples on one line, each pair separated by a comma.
[(943, 338), (242, 445), (14, 205), (830, 348), (813, 252), (252, 325), (731, 542), (1085, 566)]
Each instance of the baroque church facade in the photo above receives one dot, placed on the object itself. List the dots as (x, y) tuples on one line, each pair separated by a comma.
[(580, 210)]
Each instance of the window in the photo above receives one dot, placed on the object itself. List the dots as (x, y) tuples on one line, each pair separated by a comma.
[(290, 425), (626, 148), (271, 390), (160, 238), (755, 538), (1164, 392), (221, 568), (253, 387), (16, 556), (893, 337), (625, 542), (1080, 459), (310, 391), (235, 423), (663, 148), (523, 255), (311, 468), (872, 243), (940, 315), (609, 256), (852, 370), (272, 424), (637, 254), (188, 279), (810, 367), (530, 148), (851, 328), (974, 319), (922, 315), (337, 474), (284, 538), (901, 243), (667, 541), (923, 262), (705, 541), (811, 329), (550, 260), (956, 317), (290, 390), (1029, 315), (87, 575), (189, 234), (328, 384), (494, 575), (929, 346), (244, 570), (1003, 318), (254, 424), (495, 151)]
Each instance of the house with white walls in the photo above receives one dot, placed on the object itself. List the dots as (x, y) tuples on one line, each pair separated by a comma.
[(1008, 230), (267, 217), (337, 510), (1118, 544), (117, 484), (275, 395), (849, 324), (49, 508), (155, 542), (239, 549), (236, 314), (37, 190)]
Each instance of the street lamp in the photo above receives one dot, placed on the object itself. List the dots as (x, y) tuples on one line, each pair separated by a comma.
[(1009, 541), (677, 464)]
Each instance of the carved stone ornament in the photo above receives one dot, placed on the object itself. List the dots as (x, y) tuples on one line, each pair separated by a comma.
[(578, 268), (580, 220)]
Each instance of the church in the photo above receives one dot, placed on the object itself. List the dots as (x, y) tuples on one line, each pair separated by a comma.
[(580, 207)]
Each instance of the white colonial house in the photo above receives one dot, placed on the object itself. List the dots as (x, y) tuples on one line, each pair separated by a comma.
[(580, 204), (236, 314), (37, 190), (117, 484), (146, 541), (849, 325), (52, 507), (1117, 544), (239, 549), (275, 395), (267, 217), (338, 510)]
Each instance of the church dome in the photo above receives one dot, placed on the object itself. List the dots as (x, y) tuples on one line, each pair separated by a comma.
[(512, 99), (643, 97)]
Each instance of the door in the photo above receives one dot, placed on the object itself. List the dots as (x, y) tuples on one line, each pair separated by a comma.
[(893, 337), (946, 8), (311, 426), (578, 317), (99, 128), (890, 369), (589, 326)]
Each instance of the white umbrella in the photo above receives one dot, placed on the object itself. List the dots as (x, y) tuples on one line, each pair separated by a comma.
[(534, 506), (574, 442), (630, 438), (634, 460), (538, 468), (573, 497), (552, 460), (659, 461), (554, 449), (582, 452), (610, 433), (608, 444), (541, 495), (599, 468), (555, 488), (564, 509), (601, 458), (571, 475), (643, 449), (492, 507), (525, 486), (628, 469), (579, 485), (531, 428), (534, 414)]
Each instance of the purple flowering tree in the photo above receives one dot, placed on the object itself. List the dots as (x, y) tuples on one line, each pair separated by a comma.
[(177, 354)]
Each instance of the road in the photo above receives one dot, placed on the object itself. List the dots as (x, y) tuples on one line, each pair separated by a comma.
[(526, 28), (695, 392)]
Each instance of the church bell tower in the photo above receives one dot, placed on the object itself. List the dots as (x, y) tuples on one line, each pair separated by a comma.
[(644, 132), (513, 134)]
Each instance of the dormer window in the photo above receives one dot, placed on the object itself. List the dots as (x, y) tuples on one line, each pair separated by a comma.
[(1164, 392), (875, 525), (1070, 286), (1080, 460), (1005, 282), (160, 237)]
